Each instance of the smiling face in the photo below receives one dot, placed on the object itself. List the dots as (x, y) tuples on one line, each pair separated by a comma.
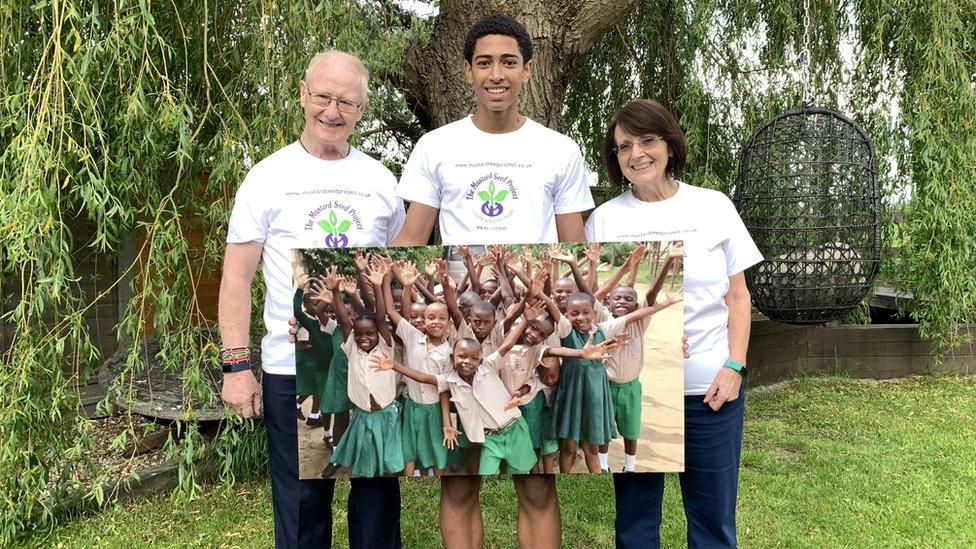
[(642, 165), (467, 358), (337, 76), (579, 312), (561, 290), (497, 73), (365, 334), (622, 300), (435, 319), (536, 332)]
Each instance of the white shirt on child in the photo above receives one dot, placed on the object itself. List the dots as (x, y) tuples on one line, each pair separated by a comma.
[(480, 405), (519, 364), (429, 360), (292, 199), (625, 362), (716, 245), (496, 188), (491, 343), (364, 380)]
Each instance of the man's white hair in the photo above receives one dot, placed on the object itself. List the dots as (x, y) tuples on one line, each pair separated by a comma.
[(327, 56)]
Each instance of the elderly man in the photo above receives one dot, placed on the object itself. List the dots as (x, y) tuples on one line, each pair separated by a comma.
[(319, 177)]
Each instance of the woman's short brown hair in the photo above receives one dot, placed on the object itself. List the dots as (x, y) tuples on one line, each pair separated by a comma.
[(643, 117)]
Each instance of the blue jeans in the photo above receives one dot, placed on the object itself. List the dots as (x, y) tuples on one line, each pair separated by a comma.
[(303, 508), (713, 442)]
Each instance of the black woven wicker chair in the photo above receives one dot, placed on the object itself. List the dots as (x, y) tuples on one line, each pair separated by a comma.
[(807, 190)]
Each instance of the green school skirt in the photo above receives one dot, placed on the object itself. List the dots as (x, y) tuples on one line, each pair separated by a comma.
[(532, 412), (305, 377), (513, 445), (627, 408), (549, 445), (423, 435), (335, 395), (371, 445), (583, 408)]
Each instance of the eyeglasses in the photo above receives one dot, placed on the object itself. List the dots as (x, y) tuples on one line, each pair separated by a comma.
[(626, 148), (324, 100)]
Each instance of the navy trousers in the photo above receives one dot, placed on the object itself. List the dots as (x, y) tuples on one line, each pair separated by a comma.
[(713, 442), (303, 508)]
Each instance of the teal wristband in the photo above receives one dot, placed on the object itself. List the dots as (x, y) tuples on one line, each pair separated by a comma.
[(741, 368)]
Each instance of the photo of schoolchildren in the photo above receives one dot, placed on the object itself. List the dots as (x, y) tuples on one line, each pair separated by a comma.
[(484, 360)]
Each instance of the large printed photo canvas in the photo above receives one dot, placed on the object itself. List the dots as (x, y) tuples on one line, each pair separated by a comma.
[(502, 359)]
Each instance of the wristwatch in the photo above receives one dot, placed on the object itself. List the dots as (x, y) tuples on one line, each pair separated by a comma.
[(741, 368), (230, 368)]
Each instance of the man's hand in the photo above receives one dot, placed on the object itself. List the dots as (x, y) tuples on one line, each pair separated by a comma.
[(241, 392)]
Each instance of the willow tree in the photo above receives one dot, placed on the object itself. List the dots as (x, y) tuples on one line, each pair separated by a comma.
[(140, 118), (906, 71)]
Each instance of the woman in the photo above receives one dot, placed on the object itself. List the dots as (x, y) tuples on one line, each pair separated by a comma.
[(644, 152)]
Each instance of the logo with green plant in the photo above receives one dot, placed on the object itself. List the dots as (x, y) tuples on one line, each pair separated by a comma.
[(492, 200), (336, 229)]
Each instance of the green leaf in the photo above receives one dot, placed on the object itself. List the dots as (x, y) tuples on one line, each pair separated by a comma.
[(333, 218), (344, 226), (326, 226), (501, 195), (483, 195)]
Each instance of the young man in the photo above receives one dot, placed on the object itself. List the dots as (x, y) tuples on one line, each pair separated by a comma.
[(496, 177), (316, 191)]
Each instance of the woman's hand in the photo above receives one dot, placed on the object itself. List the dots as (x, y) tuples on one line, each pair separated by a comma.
[(724, 388)]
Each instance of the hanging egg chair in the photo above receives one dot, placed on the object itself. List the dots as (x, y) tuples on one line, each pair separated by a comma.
[(807, 190)]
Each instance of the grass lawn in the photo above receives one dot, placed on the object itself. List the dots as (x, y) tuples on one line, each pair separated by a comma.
[(826, 462)]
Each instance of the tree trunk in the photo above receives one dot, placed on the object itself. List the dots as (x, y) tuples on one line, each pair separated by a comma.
[(562, 32)]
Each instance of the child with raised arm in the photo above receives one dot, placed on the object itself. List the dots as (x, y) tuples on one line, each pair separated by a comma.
[(583, 412), (486, 409), (371, 446), (335, 399), (626, 362), (426, 351), (313, 352)]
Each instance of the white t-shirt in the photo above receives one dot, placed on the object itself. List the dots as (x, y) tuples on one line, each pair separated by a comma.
[(497, 188), (717, 246), (292, 199)]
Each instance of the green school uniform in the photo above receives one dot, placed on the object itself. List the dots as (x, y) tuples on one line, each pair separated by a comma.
[(513, 445), (627, 408), (311, 365), (335, 396), (371, 445), (423, 435), (583, 407), (532, 412)]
